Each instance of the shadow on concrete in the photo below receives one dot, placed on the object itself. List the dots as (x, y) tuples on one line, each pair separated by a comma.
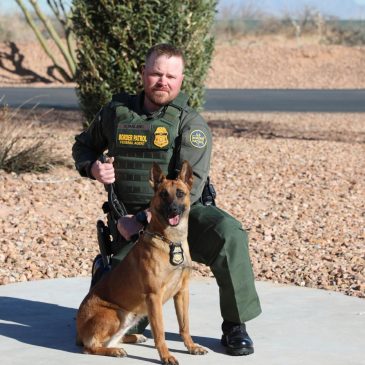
[(212, 344), (37, 323), (53, 326)]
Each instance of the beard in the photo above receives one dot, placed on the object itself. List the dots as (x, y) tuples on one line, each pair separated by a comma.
[(159, 97)]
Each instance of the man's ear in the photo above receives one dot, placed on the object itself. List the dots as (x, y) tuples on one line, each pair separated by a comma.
[(156, 176), (186, 174)]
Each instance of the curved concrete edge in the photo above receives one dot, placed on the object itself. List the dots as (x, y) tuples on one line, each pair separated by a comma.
[(298, 326)]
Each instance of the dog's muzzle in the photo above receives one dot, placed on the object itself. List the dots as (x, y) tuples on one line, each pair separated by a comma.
[(174, 212)]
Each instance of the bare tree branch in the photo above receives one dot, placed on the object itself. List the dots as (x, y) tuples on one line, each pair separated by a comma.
[(42, 41)]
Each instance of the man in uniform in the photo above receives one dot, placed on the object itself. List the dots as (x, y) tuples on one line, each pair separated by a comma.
[(158, 125)]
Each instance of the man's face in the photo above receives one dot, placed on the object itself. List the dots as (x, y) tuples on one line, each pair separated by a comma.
[(162, 78)]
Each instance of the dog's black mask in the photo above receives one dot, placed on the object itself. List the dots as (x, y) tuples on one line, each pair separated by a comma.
[(172, 207)]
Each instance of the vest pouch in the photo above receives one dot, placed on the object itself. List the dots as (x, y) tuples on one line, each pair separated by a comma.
[(139, 143)]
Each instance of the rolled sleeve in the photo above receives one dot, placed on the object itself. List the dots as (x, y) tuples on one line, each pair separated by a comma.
[(90, 144)]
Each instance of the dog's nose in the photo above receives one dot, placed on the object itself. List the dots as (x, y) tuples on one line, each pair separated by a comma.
[(173, 208)]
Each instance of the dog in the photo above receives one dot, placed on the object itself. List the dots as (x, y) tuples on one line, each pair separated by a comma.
[(155, 270)]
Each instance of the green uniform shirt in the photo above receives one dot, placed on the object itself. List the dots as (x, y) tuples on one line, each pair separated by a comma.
[(194, 142), (215, 238)]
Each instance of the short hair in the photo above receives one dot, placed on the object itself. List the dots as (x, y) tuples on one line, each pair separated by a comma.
[(165, 49)]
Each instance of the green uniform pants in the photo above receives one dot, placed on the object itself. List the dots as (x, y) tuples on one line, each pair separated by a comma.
[(217, 240)]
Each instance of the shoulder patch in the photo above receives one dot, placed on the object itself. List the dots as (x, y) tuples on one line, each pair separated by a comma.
[(198, 138)]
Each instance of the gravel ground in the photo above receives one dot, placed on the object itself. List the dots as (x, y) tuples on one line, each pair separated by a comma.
[(296, 182), (278, 62), (250, 62)]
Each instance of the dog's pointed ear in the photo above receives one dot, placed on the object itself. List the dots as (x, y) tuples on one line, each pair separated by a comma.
[(186, 174), (156, 176)]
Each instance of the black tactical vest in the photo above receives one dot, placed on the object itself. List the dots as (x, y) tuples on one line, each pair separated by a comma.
[(139, 141)]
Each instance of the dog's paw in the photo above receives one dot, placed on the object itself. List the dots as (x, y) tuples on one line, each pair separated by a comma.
[(169, 360), (141, 339), (197, 350), (136, 338), (105, 351), (116, 352)]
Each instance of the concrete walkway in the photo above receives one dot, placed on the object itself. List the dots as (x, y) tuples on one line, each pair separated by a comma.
[(298, 326)]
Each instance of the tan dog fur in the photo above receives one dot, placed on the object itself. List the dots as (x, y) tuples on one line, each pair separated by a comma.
[(144, 281)]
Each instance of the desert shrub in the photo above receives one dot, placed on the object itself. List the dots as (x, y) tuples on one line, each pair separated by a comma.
[(14, 28), (248, 19), (236, 20), (308, 21), (114, 36), (349, 33), (22, 149)]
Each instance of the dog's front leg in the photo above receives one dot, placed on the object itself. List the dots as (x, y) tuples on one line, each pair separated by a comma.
[(154, 305), (181, 301)]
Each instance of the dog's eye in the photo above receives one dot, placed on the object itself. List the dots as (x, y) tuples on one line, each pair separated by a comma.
[(180, 193), (164, 194)]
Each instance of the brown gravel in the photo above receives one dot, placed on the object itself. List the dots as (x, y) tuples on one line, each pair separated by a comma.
[(265, 62), (276, 62), (295, 181), (302, 197)]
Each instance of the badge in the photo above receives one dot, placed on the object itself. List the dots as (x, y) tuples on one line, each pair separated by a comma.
[(198, 138), (176, 254), (161, 137)]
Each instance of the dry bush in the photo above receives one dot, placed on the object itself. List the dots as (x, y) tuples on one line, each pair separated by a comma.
[(234, 21), (349, 34), (23, 145), (246, 19), (14, 28), (308, 21)]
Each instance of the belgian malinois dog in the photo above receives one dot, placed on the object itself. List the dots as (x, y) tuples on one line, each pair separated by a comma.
[(155, 270)]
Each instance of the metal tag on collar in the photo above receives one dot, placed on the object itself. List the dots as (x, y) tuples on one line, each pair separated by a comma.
[(176, 254)]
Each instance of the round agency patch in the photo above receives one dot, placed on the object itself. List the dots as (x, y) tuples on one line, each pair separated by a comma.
[(198, 138)]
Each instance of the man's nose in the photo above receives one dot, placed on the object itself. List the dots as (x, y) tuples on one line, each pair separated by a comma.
[(162, 80)]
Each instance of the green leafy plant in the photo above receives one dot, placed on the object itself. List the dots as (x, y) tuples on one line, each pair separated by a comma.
[(114, 35)]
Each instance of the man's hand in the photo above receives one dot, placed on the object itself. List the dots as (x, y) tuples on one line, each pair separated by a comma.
[(128, 226), (103, 172)]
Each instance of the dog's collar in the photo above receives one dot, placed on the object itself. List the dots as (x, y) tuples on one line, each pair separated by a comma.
[(161, 237), (176, 250)]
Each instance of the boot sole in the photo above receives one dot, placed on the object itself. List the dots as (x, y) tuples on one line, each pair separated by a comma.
[(239, 352), (242, 351)]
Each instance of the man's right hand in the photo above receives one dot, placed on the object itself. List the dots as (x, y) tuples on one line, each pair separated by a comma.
[(103, 172)]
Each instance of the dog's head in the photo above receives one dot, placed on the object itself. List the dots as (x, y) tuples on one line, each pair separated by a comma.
[(172, 197)]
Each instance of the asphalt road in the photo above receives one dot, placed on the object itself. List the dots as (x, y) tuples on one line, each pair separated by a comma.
[(249, 100)]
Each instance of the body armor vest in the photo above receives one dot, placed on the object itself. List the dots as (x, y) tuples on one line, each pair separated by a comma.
[(138, 142)]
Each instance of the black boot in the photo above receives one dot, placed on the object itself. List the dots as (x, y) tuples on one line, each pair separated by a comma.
[(236, 339)]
